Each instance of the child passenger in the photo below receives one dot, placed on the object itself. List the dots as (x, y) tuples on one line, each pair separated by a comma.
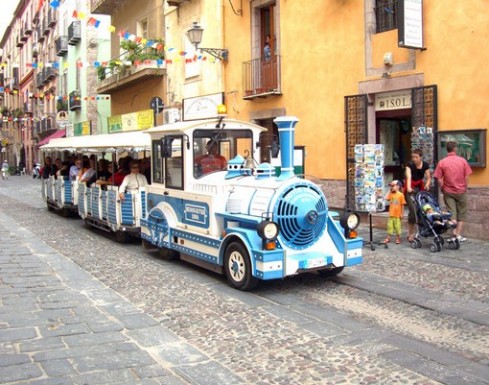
[(436, 218), (396, 201)]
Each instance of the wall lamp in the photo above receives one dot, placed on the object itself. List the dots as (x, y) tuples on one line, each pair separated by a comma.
[(195, 36)]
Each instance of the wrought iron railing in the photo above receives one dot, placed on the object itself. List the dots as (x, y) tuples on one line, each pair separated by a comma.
[(262, 77)]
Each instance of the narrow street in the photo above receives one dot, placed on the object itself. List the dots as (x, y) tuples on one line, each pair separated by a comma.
[(403, 317)]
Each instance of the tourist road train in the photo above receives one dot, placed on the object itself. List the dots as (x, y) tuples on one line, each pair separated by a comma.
[(248, 221)]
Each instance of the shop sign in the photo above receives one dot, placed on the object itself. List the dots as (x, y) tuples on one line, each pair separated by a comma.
[(135, 121), (395, 100), (82, 128), (410, 29), (202, 107)]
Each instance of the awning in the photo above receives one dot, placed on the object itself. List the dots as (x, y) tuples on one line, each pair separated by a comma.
[(56, 135), (120, 142)]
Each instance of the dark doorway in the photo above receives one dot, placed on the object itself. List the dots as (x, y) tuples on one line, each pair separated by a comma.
[(393, 130)]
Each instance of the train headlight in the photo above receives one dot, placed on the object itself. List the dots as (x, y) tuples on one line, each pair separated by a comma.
[(350, 221), (268, 230)]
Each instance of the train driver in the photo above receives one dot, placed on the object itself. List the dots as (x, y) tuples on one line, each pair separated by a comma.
[(211, 161)]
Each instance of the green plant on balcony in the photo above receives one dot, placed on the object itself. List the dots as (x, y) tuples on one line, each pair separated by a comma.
[(18, 113), (62, 105), (101, 71), (139, 52), (5, 111)]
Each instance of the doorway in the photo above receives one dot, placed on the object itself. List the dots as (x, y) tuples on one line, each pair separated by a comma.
[(393, 130)]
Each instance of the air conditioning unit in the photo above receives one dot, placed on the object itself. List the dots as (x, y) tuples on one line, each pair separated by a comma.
[(171, 115)]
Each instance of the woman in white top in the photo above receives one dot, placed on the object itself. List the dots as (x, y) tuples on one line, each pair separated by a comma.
[(133, 181)]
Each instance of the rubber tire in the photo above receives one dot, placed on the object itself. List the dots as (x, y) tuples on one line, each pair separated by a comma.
[(236, 257), (414, 244), (331, 272), (168, 254), (147, 245), (452, 245), (120, 236), (418, 243)]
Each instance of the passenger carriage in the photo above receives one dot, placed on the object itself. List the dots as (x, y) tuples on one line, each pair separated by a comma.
[(99, 207), (243, 221)]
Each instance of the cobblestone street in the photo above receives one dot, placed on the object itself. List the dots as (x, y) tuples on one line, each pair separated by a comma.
[(79, 308)]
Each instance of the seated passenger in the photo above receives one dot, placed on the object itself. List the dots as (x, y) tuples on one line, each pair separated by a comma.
[(87, 173), (436, 218), (75, 169), (102, 172), (64, 171), (212, 161), (133, 181)]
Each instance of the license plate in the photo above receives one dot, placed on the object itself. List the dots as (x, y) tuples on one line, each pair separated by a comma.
[(315, 263)]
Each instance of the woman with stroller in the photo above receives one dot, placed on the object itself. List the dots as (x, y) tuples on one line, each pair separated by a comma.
[(418, 178)]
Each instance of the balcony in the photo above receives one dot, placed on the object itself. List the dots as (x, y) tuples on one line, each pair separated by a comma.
[(20, 42), (74, 101), (45, 26), (40, 36), (51, 18), (105, 7), (27, 28), (123, 77), (35, 50), (23, 36), (49, 73), (261, 78), (74, 32), (61, 45), (40, 79)]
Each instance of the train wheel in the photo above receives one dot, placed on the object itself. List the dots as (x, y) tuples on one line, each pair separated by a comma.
[(331, 272), (237, 266), (168, 254), (147, 245), (120, 236)]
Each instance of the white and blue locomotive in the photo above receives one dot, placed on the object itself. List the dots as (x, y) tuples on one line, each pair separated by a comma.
[(244, 221)]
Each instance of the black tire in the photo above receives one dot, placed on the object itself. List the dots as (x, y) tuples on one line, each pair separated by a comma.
[(147, 245), (237, 267), (418, 243), (168, 254), (452, 245), (120, 236), (414, 244), (331, 272)]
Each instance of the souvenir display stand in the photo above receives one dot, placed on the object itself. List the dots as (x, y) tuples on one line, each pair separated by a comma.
[(369, 182)]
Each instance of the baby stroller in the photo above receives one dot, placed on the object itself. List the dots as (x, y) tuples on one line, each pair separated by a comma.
[(432, 222)]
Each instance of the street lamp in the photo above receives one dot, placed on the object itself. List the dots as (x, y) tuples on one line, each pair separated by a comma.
[(195, 36)]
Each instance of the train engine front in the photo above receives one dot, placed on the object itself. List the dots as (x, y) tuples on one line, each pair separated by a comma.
[(281, 226)]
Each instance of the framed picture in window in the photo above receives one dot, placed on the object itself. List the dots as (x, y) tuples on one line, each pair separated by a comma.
[(471, 144)]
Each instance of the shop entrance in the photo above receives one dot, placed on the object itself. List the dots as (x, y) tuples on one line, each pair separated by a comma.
[(393, 130)]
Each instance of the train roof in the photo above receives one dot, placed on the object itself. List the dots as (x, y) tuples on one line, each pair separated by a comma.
[(118, 142), (190, 126)]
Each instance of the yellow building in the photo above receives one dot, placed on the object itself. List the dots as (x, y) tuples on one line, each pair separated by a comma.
[(339, 66)]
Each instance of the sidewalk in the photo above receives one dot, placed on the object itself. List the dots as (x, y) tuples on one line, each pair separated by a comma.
[(60, 326)]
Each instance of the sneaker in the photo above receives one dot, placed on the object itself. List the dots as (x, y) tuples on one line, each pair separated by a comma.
[(461, 239)]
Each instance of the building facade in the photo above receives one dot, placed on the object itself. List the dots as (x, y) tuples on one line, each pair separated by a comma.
[(341, 67)]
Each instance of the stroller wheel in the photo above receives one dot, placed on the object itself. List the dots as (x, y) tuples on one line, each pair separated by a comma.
[(414, 245), (435, 247), (418, 242), (452, 245)]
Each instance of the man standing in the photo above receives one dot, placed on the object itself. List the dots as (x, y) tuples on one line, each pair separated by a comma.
[(452, 173)]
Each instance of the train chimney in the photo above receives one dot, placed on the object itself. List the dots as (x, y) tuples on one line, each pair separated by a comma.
[(286, 129)]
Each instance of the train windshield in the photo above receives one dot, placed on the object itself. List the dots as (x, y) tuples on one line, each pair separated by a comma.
[(213, 149)]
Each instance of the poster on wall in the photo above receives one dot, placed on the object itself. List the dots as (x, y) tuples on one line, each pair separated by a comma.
[(369, 177), (422, 138)]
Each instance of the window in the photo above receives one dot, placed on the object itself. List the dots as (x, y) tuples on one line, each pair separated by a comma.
[(157, 175), (386, 15), (174, 164), (212, 150), (142, 29)]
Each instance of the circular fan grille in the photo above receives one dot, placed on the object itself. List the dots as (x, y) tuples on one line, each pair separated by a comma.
[(301, 211)]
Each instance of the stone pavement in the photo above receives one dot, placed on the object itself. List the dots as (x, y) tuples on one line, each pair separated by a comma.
[(60, 325)]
